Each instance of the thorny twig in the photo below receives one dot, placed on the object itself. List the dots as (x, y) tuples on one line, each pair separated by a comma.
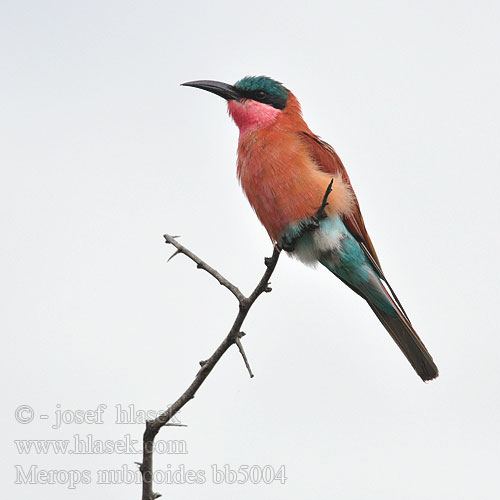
[(233, 337)]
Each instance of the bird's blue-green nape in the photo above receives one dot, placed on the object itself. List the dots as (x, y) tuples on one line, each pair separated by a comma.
[(263, 89)]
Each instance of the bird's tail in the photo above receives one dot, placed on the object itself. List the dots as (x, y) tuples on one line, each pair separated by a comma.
[(403, 333), (392, 316)]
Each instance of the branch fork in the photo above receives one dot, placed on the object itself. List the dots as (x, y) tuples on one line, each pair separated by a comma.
[(206, 366)]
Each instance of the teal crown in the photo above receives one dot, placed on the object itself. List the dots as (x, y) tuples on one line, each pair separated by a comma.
[(263, 89)]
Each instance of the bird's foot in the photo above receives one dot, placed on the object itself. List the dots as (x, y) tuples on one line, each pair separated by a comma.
[(290, 237), (287, 243)]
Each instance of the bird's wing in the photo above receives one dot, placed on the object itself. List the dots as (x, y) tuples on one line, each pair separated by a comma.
[(328, 161)]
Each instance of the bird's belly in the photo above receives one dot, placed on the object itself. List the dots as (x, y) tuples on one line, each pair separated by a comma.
[(280, 199)]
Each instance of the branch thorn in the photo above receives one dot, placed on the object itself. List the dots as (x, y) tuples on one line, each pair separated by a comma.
[(237, 341), (320, 214), (177, 252)]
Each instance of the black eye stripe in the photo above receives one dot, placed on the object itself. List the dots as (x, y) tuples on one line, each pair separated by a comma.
[(262, 96)]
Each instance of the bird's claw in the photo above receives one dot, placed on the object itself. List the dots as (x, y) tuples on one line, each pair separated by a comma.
[(312, 223), (287, 244)]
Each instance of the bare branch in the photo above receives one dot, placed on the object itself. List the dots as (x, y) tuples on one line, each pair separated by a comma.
[(321, 214), (233, 337), (200, 264)]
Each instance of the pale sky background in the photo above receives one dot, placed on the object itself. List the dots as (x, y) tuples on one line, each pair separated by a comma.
[(102, 152)]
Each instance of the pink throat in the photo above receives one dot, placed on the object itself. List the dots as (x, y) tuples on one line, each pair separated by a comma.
[(250, 115)]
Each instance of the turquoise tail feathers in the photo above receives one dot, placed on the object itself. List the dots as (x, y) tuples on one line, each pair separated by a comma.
[(335, 248)]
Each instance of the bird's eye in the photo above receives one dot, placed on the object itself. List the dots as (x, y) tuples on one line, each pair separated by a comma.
[(261, 94)]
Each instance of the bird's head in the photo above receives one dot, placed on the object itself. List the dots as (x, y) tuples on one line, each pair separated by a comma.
[(253, 101)]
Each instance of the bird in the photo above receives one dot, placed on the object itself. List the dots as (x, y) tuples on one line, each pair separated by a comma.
[(301, 193)]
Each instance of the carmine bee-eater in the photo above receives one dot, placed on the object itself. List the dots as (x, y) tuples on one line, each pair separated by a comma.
[(285, 171)]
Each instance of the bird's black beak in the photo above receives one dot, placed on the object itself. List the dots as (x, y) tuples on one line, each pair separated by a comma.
[(228, 92)]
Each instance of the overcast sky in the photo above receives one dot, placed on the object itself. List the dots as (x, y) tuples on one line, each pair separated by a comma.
[(102, 152)]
